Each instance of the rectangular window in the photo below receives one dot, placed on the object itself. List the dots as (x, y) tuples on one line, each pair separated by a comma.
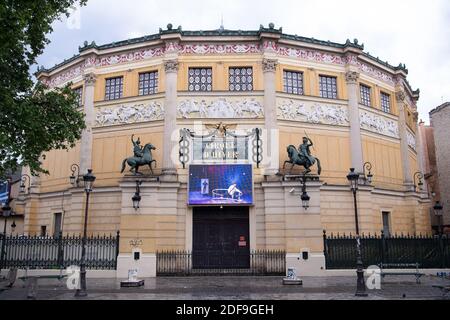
[(57, 224), (43, 231), (114, 88), (328, 87), (293, 82), (148, 83), (385, 102), (200, 79), (386, 226), (79, 92), (240, 79), (365, 95)]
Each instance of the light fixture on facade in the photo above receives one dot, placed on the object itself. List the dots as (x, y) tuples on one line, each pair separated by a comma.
[(137, 195), (304, 197), (367, 165), (74, 179), (23, 179), (305, 200), (418, 175)]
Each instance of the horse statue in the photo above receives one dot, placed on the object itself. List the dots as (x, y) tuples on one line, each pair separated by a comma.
[(135, 162), (296, 158)]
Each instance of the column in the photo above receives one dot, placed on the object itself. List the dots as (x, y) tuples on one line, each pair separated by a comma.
[(406, 167), (170, 109), (86, 136), (351, 78), (270, 117)]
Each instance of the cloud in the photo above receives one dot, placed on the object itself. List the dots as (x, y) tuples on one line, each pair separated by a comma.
[(414, 32)]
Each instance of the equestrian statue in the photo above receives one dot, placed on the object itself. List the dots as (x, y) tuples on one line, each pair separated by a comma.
[(302, 156), (142, 156)]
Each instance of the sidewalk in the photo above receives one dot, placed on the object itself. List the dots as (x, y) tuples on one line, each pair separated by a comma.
[(232, 288)]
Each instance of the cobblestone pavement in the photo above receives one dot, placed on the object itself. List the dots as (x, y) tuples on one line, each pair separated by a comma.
[(232, 288)]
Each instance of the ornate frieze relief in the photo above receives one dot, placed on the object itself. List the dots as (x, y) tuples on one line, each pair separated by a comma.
[(411, 140), (219, 48), (312, 112), (130, 113), (220, 108), (378, 124), (214, 48)]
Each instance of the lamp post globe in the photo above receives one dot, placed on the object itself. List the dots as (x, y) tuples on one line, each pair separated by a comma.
[(353, 177), (88, 179), (136, 200), (438, 213), (305, 200)]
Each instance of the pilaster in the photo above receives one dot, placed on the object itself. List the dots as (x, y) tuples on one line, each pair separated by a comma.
[(86, 136), (170, 128), (351, 78), (270, 116), (406, 166)]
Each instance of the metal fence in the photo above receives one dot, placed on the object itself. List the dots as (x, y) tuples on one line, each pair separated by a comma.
[(262, 262), (428, 252), (36, 252)]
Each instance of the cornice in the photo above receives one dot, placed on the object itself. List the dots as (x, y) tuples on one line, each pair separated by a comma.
[(90, 52)]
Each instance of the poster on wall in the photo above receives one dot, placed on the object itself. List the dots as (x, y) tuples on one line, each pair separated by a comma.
[(220, 184)]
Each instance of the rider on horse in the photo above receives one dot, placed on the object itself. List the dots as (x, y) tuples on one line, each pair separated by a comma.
[(137, 148), (303, 150)]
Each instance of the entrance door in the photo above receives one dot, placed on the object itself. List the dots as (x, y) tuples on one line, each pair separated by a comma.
[(220, 238)]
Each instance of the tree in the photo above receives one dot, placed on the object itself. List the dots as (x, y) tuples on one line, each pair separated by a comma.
[(33, 119)]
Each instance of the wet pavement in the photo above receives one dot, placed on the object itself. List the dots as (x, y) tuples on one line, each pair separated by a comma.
[(235, 288)]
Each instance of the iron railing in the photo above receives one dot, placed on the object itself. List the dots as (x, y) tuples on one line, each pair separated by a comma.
[(426, 251), (37, 252), (262, 262)]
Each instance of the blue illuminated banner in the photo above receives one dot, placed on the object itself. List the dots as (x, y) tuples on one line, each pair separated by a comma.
[(221, 184)]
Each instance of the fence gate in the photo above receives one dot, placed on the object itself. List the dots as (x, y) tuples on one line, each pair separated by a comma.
[(262, 263)]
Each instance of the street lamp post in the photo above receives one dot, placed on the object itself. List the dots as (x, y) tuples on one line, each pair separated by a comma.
[(88, 179), (360, 285), (438, 213), (6, 212)]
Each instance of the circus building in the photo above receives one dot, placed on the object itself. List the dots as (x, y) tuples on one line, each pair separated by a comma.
[(221, 143)]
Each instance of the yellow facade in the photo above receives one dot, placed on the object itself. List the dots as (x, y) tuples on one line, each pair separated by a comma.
[(277, 221)]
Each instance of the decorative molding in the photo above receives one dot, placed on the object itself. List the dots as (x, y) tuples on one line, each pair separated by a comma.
[(411, 139), (219, 48), (220, 108), (312, 112), (269, 65), (90, 79), (214, 48), (171, 66), (351, 76), (149, 111), (132, 56), (378, 124), (400, 96)]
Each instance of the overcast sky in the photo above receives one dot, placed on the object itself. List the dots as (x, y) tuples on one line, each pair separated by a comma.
[(414, 32)]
